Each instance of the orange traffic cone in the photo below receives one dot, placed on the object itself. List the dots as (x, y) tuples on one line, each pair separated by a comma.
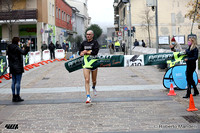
[(171, 91), (191, 104)]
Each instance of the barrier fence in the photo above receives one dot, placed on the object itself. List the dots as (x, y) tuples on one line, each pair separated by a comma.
[(31, 60)]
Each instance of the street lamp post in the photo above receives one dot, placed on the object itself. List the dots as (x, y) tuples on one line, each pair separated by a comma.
[(156, 19), (130, 37)]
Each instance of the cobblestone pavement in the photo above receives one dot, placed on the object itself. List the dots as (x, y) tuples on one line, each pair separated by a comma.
[(129, 100)]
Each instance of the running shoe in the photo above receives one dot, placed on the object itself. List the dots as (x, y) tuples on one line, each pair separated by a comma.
[(95, 92), (88, 100)]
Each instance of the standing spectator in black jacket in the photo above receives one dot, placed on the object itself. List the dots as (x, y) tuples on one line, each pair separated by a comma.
[(192, 56), (15, 60), (44, 46), (58, 46), (143, 43), (136, 43), (52, 50)]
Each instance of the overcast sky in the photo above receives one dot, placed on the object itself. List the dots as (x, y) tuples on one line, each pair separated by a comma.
[(101, 13)]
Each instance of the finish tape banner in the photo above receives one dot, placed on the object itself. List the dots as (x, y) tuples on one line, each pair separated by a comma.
[(94, 62), (3, 65), (124, 60)]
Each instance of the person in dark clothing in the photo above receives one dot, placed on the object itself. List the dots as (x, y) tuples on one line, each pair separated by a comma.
[(112, 48), (64, 46), (67, 46), (15, 61), (52, 50), (192, 56), (136, 43), (44, 46), (89, 47), (143, 43), (58, 46), (123, 47)]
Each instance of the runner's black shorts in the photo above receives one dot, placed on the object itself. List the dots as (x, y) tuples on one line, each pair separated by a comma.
[(92, 69)]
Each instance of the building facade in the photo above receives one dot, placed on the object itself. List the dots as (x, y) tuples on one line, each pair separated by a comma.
[(63, 20), (171, 20), (20, 20), (111, 37), (36, 20), (82, 19)]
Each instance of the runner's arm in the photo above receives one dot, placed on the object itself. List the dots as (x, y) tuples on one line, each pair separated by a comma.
[(81, 48)]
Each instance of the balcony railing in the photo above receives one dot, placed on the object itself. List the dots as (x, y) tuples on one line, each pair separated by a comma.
[(18, 14)]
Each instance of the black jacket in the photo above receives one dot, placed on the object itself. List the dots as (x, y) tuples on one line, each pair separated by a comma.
[(15, 58), (51, 47), (192, 56), (93, 45)]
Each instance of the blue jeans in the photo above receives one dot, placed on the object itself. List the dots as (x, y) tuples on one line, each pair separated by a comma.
[(16, 83)]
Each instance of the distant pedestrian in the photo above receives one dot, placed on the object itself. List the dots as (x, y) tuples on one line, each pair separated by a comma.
[(67, 46), (143, 43), (15, 61), (123, 46), (136, 43), (192, 56), (52, 50), (112, 48), (117, 46), (64, 46), (58, 46), (44, 46), (175, 46)]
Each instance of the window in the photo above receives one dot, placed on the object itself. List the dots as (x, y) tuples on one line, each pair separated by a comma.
[(124, 12), (56, 12), (49, 9), (59, 14), (53, 11), (67, 18), (64, 17)]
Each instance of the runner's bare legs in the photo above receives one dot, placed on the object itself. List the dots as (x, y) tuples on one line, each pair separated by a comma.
[(94, 77), (94, 81), (86, 73)]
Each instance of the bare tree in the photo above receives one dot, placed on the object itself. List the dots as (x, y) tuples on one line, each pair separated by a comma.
[(194, 12), (9, 15), (147, 20)]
